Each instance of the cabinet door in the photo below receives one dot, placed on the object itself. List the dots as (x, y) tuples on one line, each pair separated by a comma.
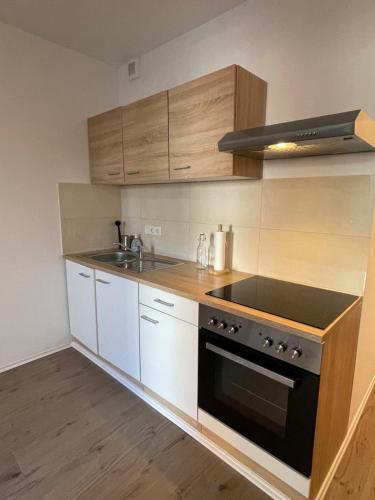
[(105, 147), (118, 324), (169, 358), (200, 113), (81, 300), (145, 136)]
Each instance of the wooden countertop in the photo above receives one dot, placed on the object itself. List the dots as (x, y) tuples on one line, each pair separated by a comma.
[(187, 281)]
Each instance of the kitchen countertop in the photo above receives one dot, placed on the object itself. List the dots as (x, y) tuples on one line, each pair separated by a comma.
[(187, 281)]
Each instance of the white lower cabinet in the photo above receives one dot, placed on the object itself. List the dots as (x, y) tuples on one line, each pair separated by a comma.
[(81, 300), (118, 322), (169, 358)]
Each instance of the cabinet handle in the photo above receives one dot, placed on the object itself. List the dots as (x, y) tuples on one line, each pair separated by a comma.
[(84, 275), (114, 173), (182, 168), (150, 320), (164, 303), (133, 172), (103, 282)]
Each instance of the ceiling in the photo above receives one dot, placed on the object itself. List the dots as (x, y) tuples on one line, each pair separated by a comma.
[(113, 31)]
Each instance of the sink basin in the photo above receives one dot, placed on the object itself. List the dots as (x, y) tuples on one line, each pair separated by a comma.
[(117, 256), (130, 262)]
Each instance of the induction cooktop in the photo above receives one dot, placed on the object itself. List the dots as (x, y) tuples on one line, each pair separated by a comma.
[(305, 304)]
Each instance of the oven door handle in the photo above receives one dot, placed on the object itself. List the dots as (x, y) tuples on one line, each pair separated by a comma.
[(248, 364)]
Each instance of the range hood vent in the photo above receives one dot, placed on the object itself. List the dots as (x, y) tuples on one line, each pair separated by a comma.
[(350, 132)]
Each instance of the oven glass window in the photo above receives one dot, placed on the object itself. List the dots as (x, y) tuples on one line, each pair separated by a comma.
[(253, 395)]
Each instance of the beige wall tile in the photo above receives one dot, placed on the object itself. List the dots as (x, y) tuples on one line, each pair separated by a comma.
[(234, 202), (131, 199), (242, 245), (168, 202), (79, 201), (328, 261), (334, 205), (133, 225), (245, 249), (173, 242), (87, 216), (80, 235)]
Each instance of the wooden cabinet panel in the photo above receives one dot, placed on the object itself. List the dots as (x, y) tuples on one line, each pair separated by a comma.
[(200, 113), (118, 326), (169, 358), (173, 135), (105, 148), (145, 136), (81, 300)]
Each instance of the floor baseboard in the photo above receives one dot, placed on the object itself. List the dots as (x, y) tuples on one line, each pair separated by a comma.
[(331, 473), (251, 476), (42, 354)]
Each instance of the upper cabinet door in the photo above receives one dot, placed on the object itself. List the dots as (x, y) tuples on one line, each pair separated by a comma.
[(145, 137), (105, 146), (200, 113)]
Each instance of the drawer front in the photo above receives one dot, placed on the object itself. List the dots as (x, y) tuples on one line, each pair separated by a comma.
[(171, 304)]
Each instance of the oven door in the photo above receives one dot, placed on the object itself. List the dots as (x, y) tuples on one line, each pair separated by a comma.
[(266, 400)]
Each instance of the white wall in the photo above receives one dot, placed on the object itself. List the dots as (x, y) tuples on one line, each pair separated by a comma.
[(46, 94), (318, 59)]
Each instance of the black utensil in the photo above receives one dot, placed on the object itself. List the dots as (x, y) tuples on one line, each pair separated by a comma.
[(118, 224)]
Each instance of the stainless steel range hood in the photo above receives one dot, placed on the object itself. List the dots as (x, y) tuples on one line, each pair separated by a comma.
[(350, 132)]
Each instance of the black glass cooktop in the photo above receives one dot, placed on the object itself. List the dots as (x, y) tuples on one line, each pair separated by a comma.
[(304, 304)]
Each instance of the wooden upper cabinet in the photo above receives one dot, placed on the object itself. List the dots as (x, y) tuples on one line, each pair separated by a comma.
[(202, 111), (105, 148), (145, 140), (173, 135)]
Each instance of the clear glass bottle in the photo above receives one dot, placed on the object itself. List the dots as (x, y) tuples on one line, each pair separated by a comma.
[(202, 252)]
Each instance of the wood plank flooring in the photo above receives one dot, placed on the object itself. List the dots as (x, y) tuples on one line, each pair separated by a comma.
[(355, 476), (69, 431)]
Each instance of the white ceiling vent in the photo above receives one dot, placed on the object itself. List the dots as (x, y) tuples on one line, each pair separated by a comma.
[(133, 69)]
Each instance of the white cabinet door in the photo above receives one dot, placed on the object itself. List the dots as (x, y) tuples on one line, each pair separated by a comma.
[(81, 300), (169, 358), (118, 322)]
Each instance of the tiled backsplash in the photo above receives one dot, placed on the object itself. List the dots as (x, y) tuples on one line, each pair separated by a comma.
[(87, 215), (310, 230)]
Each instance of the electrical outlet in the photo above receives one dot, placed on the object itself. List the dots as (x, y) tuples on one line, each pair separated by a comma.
[(153, 230)]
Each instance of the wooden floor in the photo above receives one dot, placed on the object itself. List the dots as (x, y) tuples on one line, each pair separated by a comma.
[(69, 431), (355, 477)]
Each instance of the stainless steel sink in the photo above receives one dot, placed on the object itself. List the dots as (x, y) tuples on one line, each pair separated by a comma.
[(131, 262), (113, 257)]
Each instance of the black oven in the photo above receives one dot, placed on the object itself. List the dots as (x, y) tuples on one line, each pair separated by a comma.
[(252, 379)]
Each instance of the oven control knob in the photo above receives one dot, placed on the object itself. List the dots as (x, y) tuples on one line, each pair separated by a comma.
[(212, 322), (233, 329), (296, 353), (281, 347), (222, 325), (267, 342)]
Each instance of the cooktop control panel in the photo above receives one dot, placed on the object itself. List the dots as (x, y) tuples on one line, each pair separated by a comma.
[(280, 344)]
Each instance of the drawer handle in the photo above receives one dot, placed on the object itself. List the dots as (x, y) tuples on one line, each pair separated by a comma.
[(114, 173), (84, 275), (103, 282), (182, 168), (133, 172), (150, 320), (164, 303)]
